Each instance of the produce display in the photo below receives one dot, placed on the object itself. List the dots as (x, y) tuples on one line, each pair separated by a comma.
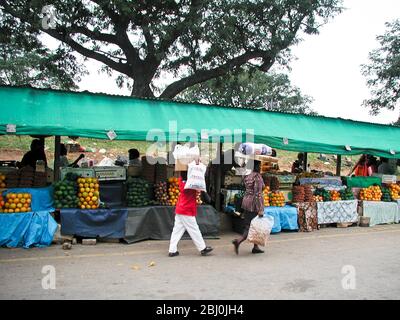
[(386, 195), (298, 194), (173, 191), (335, 195), (161, 193), (266, 196), (308, 194), (277, 199), (272, 182), (89, 195), (346, 194), (3, 181), (302, 194), (318, 198), (372, 193), (2, 203), (65, 194), (394, 191), (322, 193), (17, 202), (138, 194)]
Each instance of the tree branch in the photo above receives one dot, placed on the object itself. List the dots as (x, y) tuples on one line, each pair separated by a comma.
[(203, 75)]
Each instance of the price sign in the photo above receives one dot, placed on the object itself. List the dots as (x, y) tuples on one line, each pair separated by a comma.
[(11, 128), (111, 134)]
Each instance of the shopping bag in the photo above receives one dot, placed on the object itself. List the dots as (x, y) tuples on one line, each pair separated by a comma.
[(260, 229), (196, 176)]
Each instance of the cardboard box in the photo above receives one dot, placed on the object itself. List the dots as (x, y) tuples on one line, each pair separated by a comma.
[(181, 165)]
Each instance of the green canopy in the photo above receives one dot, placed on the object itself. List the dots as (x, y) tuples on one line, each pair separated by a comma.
[(84, 114)]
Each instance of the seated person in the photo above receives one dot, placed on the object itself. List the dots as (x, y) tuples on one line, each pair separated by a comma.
[(297, 166), (64, 160), (36, 153), (134, 157)]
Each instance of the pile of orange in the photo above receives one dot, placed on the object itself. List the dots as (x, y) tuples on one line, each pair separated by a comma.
[(318, 198), (17, 202), (2, 203), (372, 193), (3, 181), (266, 196), (88, 193), (335, 195), (394, 191), (277, 199), (173, 191)]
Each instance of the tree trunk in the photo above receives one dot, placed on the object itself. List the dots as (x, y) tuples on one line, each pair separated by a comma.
[(142, 89)]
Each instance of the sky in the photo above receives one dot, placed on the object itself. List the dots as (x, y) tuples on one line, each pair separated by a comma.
[(327, 66)]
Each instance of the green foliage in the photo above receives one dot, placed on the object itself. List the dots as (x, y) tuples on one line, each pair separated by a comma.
[(194, 40), (383, 71), (25, 61), (251, 89)]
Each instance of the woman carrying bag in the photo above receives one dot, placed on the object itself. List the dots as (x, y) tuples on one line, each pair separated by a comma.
[(252, 204)]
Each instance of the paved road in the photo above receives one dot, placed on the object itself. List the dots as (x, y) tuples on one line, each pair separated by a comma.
[(295, 266)]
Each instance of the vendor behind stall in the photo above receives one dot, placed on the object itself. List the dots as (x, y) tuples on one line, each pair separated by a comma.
[(64, 160), (298, 165), (36, 153), (134, 157)]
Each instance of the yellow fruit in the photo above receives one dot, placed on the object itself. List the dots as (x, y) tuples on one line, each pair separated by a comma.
[(83, 206), (88, 207)]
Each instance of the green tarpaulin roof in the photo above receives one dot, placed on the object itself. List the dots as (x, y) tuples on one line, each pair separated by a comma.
[(84, 114)]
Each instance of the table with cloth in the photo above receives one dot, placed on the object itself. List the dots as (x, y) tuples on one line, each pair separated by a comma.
[(103, 223), (380, 212), (337, 211), (285, 218), (133, 224), (156, 223), (308, 217), (29, 229)]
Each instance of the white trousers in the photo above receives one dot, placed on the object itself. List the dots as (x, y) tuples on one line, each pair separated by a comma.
[(186, 223)]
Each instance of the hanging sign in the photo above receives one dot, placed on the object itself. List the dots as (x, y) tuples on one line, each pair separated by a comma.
[(11, 128), (285, 141), (111, 134), (348, 148), (392, 151)]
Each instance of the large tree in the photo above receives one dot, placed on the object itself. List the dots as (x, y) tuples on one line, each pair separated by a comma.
[(195, 40), (383, 71), (251, 89)]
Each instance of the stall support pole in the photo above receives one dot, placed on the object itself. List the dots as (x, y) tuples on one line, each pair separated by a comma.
[(338, 165), (218, 178), (305, 161), (57, 149)]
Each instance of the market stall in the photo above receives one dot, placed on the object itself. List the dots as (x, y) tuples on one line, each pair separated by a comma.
[(62, 113), (27, 217)]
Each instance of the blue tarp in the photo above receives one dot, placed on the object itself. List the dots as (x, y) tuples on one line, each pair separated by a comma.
[(285, 218), (27, 229), (104, 223), (42, 198)]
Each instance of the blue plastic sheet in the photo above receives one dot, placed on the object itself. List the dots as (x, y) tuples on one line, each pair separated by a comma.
[(104, 223), (32, 229), (42, 198), (285, 218)]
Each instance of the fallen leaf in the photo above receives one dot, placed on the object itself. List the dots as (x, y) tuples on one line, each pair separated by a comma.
[(135, 267), (152, 264)]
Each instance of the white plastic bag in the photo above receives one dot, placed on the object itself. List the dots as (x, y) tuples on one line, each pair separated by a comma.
[(195, 176), (249, 148), (260, 229)]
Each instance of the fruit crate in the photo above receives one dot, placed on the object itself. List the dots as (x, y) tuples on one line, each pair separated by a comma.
[(82, 172)]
